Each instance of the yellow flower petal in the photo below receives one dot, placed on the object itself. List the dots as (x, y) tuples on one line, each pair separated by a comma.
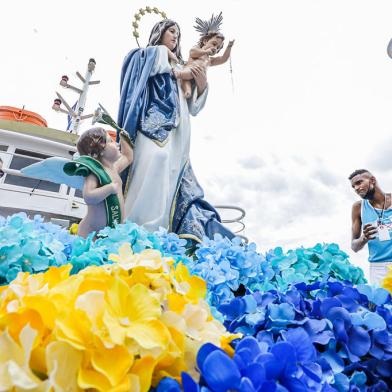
[(63, 362), (15, 322), (44, 307), (89, 378), (142, 305), (134, 383), (176, 302), (225, 341), (143, 368), (14, 361), (118, 296), (113, 363), (74, 329), (198, 288), (92, 303), (149, 334), (117, 332), (54, 275), (172, 319)]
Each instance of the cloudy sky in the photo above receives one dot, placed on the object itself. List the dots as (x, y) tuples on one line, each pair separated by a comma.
[(310, 100)]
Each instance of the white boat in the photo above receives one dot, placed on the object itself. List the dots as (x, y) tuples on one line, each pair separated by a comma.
[(22, 144)]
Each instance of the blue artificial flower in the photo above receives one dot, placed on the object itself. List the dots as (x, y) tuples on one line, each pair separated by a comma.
[(167, 384)]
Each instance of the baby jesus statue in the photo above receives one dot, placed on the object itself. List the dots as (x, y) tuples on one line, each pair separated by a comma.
[(210, 43)]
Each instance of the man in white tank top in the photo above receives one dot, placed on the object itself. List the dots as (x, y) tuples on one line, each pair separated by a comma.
[(372, 223)]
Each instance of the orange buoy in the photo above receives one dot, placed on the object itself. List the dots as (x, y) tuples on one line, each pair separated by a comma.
[(21, 115)]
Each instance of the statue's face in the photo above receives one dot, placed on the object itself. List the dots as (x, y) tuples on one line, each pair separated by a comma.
[(170, 37), (214, 43), (111, 151)]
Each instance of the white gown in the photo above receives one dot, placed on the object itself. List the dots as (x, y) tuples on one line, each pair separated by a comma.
[(156, 169)]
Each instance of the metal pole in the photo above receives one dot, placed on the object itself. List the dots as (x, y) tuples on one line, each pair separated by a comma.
[(83, 96)]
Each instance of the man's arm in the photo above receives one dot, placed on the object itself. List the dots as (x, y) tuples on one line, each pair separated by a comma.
[(222, 59), (94, 195), (358, 239), (126, 152)]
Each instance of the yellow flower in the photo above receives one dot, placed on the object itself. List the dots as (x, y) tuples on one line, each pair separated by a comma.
[(126, 259), (74, 228), (117, 327), (63, 363), (133, 313), (14, 361), (192, 286)]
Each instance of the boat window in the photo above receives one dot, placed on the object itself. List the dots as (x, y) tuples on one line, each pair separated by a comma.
[(21, 159), (3, 147), (31, 183), (78, 192)]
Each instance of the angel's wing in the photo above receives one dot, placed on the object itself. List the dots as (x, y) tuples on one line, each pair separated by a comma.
[(51, 169)]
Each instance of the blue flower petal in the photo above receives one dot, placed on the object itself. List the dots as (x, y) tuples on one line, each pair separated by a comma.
[(168, 385), (304, 348), (374, 321), (359, 341), (380, 296), (269, 386), (314, 326), (334, 360), (323, 337), (329, 303), (256, 373), (314, 371), (220, 372), (12, 273), (188, 384), (251, 344), (246, 385), (358, 378), (342, 383), (294, 384), (284, 352), (381, 337), (204, 351)]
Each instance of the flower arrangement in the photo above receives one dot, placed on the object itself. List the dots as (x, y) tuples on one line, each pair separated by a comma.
[(131, 309), (114, 327)]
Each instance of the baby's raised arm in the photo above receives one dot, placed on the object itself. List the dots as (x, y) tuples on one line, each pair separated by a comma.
[(126, 152), (222, 59), (92, 194)]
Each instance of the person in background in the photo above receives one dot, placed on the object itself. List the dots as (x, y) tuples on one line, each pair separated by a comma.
[(372, 223)]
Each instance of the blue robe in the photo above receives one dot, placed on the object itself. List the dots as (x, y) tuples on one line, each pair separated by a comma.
[(151, 106)]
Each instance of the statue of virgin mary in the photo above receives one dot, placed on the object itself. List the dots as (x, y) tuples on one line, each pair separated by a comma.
[(161, 189)]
